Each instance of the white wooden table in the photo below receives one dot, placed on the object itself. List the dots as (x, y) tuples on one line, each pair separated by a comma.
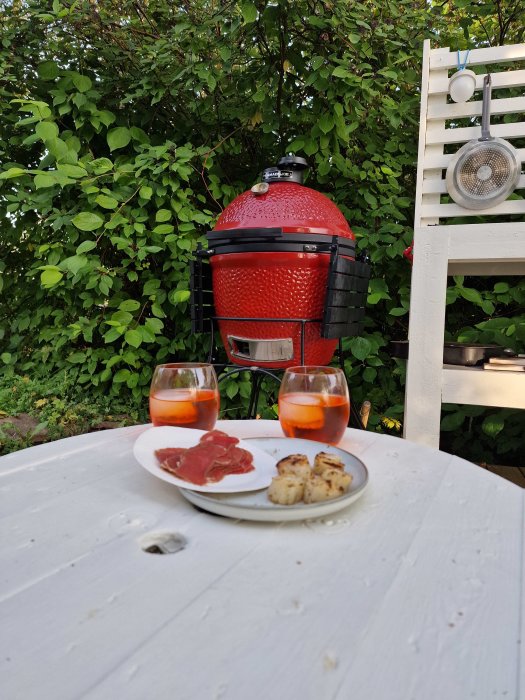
[(413, 592)]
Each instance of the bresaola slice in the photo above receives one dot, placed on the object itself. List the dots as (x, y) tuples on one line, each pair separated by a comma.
[(213, 458), (170, 458), (217, 437)]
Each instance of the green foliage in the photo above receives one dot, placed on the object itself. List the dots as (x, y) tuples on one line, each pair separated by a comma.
[(60, 408), (127, 127)]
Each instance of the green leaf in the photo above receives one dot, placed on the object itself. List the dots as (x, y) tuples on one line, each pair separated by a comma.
[(471, 295), (232, 390), (123, 318), (45, 180), (74, 263), (87, 221), (494, 324), (101, 165), (163, 215), (57, 147), (112, 335), (12, 172), (488, 307), (6, 357), (155, 325), (85, 247), (493, 424), (501, 287), (119, 137), (157, 311), (106, 202), (249, 12), (133, 338), (74, 171), (452, 421), (183, 244), (145, 192), (151, 287), (370, 199), (163, 228), (121, 376), (50, 277), (326, 123), (138, 134), (48, 70), (106, 117), (147, 335), (46, 130), (76, 357), (129, 305), (81, 82), (398, 311), (369, 375), (179, 295), (360, 347), (341, 72)]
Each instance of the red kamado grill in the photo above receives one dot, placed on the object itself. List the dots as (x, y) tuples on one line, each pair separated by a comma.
[(284, 284)]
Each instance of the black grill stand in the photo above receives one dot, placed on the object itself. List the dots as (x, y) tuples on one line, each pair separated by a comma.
[(259, 373)]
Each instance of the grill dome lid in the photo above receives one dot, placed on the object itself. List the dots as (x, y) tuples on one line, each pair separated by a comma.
[(281, 202)]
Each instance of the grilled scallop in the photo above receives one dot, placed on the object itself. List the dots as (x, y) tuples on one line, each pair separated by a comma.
[(286, 489), (295, 465), (327, 460), (337, 479), (317, 489)]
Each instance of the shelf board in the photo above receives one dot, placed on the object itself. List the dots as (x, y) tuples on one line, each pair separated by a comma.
[(476, 386)]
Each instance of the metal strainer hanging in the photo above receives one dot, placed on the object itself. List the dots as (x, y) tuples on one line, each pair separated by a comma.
[(484, 171)]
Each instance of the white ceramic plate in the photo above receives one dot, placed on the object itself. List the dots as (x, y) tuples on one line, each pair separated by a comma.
[(256, 506), (167, 436)]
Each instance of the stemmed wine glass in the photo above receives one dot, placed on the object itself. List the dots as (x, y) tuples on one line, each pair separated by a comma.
[(184, 394), (314, 403)]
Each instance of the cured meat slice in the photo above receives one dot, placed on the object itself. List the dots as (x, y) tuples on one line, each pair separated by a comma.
[(166, 452), (239, 454), (213, 458), (170, 458), (239, 461), (219, 438), (193, 467)]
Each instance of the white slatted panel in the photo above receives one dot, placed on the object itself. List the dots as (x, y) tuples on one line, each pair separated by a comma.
[(510, 206), (437, 128), (460, 136), (509, 79), (439, 59), (432, 102), (512, 105)]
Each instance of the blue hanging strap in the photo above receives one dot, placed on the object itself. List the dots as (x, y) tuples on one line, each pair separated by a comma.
[(461, 66)]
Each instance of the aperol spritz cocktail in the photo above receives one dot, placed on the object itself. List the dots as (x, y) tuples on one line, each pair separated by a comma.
[(314, 403), (184, 395)]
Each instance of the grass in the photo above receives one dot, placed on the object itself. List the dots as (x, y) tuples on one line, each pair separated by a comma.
[(41, 410)]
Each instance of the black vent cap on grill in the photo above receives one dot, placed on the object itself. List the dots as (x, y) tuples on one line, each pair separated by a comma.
[(288, 169)]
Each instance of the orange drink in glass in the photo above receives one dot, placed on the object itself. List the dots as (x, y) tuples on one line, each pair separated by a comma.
[(314, 403), (184, 395)]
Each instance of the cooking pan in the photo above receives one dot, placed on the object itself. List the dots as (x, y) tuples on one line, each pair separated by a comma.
[(485, 171)]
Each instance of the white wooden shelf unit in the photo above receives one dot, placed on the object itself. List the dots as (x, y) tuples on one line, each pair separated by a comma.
[(492, 247)]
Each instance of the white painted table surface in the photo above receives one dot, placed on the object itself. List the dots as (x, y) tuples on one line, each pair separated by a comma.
[(415, 591)]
